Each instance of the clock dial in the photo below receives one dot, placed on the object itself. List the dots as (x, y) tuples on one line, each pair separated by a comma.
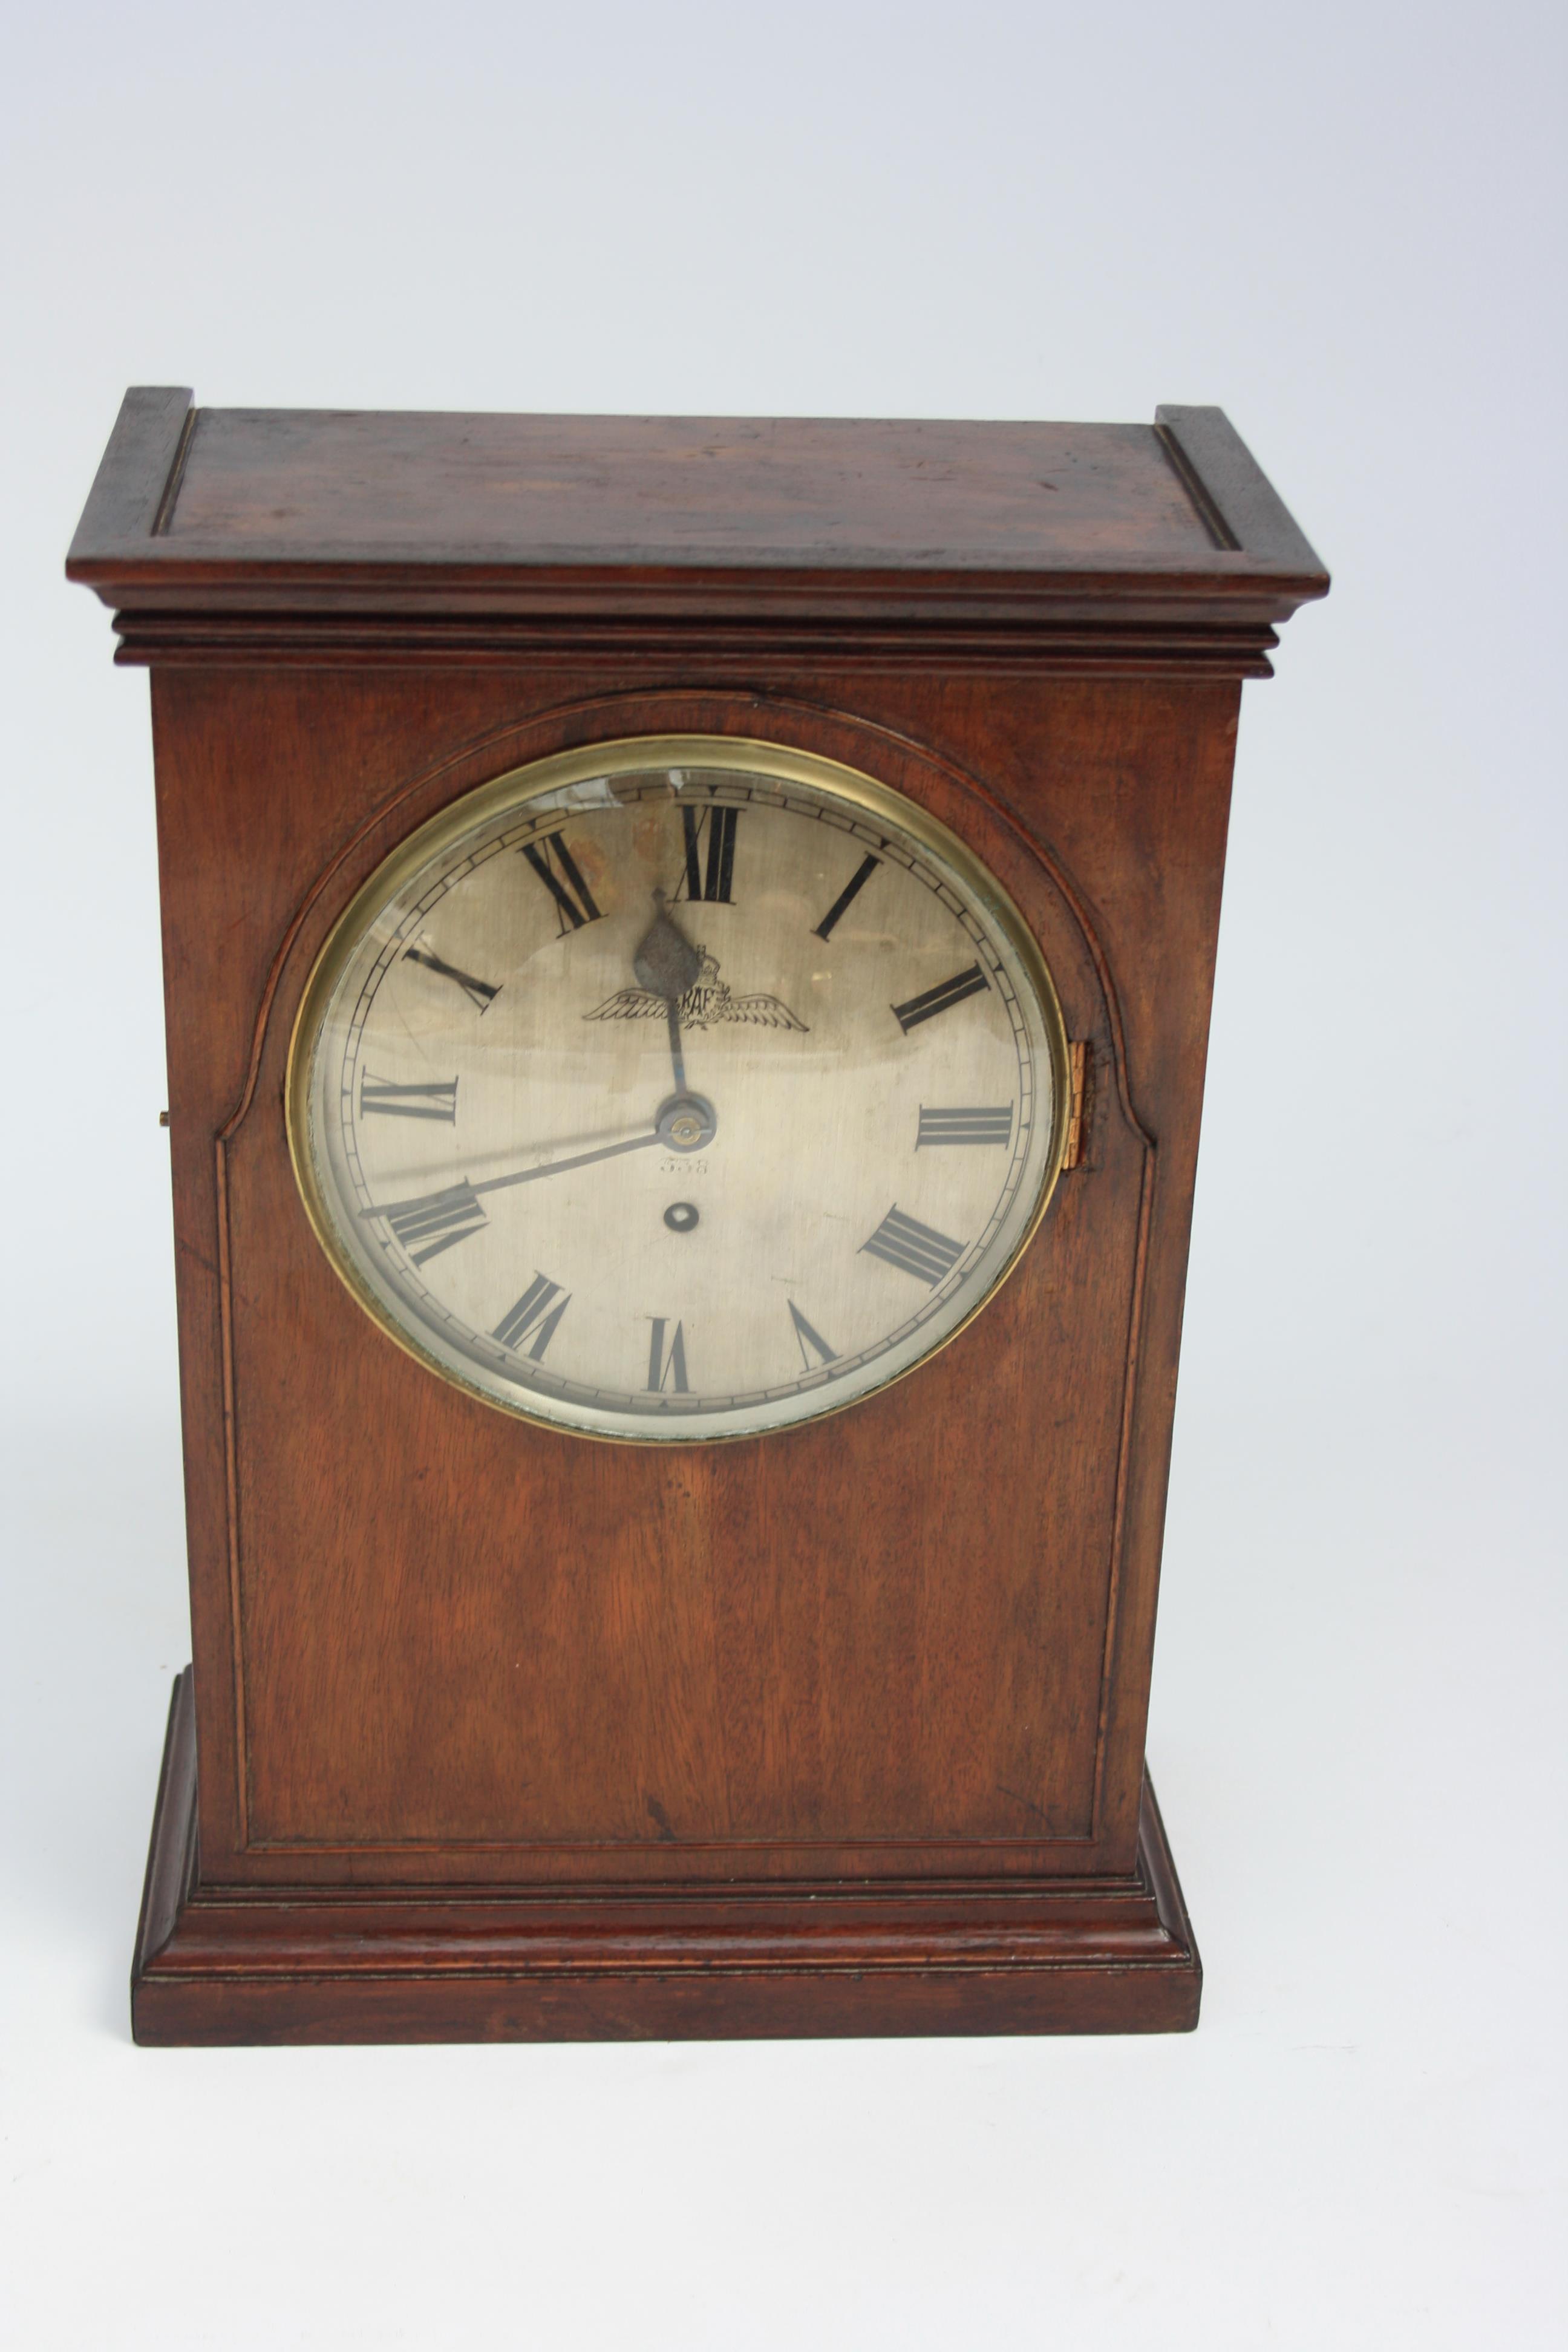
[(680, 1089)]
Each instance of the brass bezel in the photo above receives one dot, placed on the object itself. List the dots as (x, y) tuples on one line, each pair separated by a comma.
[(630, 754)]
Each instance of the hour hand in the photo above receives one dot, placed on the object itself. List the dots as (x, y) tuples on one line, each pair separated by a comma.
[(667, 964)]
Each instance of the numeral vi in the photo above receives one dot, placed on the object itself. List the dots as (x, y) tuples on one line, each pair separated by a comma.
[(667, 1365)]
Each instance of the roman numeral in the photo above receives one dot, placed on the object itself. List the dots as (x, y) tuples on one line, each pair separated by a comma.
[(846, 897), (533, 1312), (667, 1365), (478, 991), (914, 1248), (573, 899), (968, 1125), (710, 882), (946, 993), (434, 1223), (409, 1102), (806, 1337)]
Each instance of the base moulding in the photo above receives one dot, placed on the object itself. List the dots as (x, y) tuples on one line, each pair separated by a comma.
[(303, 1964)]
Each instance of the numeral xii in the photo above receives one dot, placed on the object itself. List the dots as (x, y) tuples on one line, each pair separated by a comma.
[(710, 881)]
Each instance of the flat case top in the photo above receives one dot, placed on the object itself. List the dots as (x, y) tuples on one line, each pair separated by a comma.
[(340, 506), (711, 490)]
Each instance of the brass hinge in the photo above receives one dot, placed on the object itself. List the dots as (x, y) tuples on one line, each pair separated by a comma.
[(1080, 1076)]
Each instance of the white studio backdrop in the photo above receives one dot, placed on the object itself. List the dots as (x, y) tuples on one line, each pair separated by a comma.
[(1344, 224)]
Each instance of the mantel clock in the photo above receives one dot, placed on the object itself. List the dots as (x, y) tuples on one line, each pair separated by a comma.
[(687, 947)]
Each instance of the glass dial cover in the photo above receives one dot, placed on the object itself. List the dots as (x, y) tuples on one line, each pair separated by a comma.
[(677, 1088)]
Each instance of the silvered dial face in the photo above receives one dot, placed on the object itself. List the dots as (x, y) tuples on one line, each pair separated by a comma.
[(679, 1089)]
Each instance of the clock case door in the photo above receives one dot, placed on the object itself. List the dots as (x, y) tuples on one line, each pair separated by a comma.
[(495, 1731)]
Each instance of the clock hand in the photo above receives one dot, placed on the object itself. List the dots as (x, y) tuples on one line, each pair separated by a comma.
[(686, 1123), (667, 964), (532, 1175), (672, 1022)]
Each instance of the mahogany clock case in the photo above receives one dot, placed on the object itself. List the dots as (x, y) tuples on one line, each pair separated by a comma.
[(496, 1732)]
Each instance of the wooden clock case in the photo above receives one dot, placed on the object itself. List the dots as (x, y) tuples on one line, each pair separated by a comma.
[(492, 1732)]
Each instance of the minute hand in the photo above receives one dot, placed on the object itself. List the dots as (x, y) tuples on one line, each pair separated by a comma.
[(529, 1175)]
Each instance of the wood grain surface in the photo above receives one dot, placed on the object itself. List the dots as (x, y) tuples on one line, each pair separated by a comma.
[(396, 518), (668, 1962), (840, 1730)]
